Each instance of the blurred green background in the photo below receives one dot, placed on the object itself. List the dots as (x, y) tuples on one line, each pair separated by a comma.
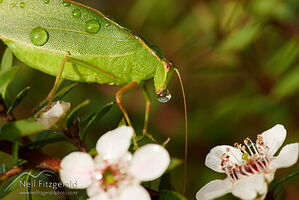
[(239, 61)]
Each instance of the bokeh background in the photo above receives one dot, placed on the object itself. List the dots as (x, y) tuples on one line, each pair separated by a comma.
[(239, 61)]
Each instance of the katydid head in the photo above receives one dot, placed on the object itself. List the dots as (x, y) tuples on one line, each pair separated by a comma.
[(163, 75)]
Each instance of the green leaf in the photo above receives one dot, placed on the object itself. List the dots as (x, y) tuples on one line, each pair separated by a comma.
[(283, 58), (13, 130), (10, 185), (95, 117), (165, 182), (18, 99), (171, 195), (240, 38), (288, 85), (7, 60), (71, 116), (43, 142), (5, 78), (61, 93), (175, 162)]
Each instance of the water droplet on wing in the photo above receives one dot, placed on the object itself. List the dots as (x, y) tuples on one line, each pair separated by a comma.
[(66, 3), (76, 13), (164, 96), (46, 1), (92, 26), (23, 5), (13, 5), (39, 36)]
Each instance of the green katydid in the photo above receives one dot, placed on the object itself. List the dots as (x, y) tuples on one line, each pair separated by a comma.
[(75, 42)]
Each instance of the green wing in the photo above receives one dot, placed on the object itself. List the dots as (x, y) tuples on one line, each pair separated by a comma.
[(111, 48)]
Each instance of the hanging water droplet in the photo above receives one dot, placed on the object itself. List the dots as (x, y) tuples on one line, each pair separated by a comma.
[(76, 13), (66, 3), (23, 5), (92, 26), (39, 36), (13, 5), (164, 96), (46, 1)]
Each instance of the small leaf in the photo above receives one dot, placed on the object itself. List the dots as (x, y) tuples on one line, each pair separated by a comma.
[(175, 162), (94, 117), (170, 195), (6, 77), (288, 85), (240, 38), (43, 142), (165, 182), (18, 99), (71, 116), (7, 60), (122, 122), (10, 185), (12, 131), (61, 93)]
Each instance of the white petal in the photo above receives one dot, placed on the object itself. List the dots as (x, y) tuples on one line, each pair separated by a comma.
[(77, 168), (214, 189), (114, 144), (149, 162), (51, 116), (287, 157), (213, 159), (102, 196), (250, 187), (135, 192), (94, 189), (274, 138)]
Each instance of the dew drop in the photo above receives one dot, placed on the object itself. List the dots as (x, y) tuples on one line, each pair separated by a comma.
[(92, 26), (23, 5), (76, 13), (39, 36), (66, 3), (164, 96), (46, 1), (13, 5)]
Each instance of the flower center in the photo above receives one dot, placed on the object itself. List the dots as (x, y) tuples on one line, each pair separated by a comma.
[(254, 159), (110, 177)]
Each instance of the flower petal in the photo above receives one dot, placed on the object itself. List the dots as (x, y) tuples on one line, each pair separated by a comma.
[(114, 144), (102, 196), (149, 162), (77, 168), (135, 192), (274, 138), (214, 189), (250, 187), (213, 159), (287, 157), (51, 116), (94, 189)]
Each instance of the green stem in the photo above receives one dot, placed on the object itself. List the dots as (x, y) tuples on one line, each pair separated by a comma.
[(285, 179)]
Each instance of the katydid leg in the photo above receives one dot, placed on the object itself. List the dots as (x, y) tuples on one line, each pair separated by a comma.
[(147, 108), (119, 101), (60, 71)]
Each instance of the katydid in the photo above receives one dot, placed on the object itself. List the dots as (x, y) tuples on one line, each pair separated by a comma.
[(75, 42)]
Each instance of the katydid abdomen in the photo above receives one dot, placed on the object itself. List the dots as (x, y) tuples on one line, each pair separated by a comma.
[(41, 33)]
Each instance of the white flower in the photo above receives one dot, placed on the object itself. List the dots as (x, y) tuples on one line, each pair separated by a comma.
[(49, 116), (115, 174), (249, 167)]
